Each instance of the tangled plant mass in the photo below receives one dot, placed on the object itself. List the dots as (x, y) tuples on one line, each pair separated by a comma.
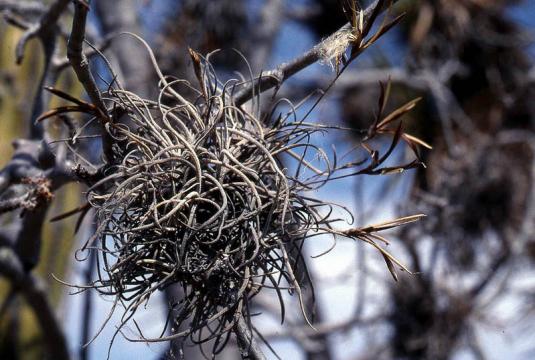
[(202, 199), (196, 193)]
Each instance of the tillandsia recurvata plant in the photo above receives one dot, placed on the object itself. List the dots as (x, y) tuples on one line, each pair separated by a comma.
[(194, 190)]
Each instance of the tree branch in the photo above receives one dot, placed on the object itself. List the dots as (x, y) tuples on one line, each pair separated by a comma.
[(29, 179), (32, 8), (120, 16), (48, 78), (77, 58), (13, 204), (35, 295), (44, 29), (276, 77), (81, 67)]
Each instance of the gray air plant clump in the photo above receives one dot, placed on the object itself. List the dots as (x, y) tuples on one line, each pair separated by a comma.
[(196, 194)]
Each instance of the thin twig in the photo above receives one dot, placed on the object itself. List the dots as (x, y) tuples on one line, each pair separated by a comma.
[(276, 77), (12, 204)]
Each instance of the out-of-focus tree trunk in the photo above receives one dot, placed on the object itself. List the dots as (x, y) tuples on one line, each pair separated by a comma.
[(134, 67)]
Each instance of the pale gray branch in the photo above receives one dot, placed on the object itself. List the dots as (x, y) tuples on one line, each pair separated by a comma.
[(78, 59), (45, 28), (276, 77), (36, 297)]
